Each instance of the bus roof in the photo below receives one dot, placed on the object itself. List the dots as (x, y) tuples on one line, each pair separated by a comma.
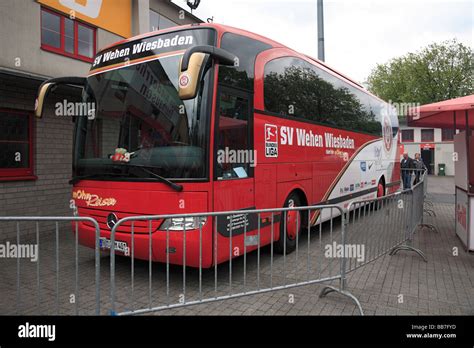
[(220, 28)]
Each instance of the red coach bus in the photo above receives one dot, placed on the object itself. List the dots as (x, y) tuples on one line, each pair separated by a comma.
[(174, 110)]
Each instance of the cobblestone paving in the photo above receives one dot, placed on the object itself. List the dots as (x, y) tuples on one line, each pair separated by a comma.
[(390, 285)]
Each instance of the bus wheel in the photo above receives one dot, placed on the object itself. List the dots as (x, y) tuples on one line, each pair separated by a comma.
[(380, 194), (380, 190), (293, 226)]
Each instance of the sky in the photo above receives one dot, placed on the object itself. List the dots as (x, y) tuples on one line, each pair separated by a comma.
[(359, 34)]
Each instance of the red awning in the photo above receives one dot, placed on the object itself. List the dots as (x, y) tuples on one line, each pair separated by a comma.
[(441, 114)]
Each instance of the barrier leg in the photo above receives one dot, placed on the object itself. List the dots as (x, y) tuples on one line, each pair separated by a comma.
[(429, 226), (341, 290), (342, 280), (407, 246)]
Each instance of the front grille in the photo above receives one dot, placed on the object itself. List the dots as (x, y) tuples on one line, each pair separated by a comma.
[(139, 226)]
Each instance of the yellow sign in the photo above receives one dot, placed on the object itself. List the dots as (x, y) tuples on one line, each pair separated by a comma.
[(112, 15)]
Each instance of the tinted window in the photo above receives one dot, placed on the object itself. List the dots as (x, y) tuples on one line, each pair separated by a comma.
[(242, 74), (233, 136), (296, 88), (139, 110), (14, 140)]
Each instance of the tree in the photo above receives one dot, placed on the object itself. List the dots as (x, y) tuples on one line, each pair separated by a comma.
[(438, 72)]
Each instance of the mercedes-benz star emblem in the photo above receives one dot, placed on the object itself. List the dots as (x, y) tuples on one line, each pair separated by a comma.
[(112, 220)]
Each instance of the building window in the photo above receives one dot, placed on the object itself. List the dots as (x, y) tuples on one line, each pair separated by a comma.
[(408, 135), (427, 135), (158, 21), (447, 134), (16, 145), (62, 35)]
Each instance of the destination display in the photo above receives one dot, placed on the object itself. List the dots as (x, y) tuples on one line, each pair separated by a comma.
[(137, 50)]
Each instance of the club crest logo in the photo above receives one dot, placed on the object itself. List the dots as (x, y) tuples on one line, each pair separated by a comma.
[(387, 133)]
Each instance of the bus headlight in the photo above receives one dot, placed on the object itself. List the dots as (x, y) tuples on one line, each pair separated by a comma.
[(178, 224)]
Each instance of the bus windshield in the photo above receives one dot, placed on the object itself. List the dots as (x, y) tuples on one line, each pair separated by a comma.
[(138, 112)]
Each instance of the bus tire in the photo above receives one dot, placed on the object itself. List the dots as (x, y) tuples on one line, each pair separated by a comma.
[(380, 193), (287, 241)]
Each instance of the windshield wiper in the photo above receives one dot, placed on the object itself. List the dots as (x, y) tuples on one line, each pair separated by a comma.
[(174, 186), (76, 179)]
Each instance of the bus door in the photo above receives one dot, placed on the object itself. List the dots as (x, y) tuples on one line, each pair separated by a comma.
[(233, 168)]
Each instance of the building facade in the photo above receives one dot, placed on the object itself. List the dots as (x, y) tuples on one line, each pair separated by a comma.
[(435, 146), (41, 39)]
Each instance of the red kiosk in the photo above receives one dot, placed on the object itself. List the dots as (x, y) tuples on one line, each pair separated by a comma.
[(456, 114)]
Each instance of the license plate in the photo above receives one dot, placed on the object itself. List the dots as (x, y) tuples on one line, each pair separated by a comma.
[(105, 243)]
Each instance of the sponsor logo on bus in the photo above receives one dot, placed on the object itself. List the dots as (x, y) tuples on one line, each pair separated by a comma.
[(184, 80), (93, 200), (387, 133), (271, 140), (377, 152)]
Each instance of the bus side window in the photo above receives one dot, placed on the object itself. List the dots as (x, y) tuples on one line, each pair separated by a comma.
[(233, 145)]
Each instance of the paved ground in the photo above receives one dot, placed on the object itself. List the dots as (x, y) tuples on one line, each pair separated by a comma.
[(441, 188), (399, 284)]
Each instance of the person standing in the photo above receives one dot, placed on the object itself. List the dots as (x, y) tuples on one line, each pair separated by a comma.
[(419, 166), (406, 166)]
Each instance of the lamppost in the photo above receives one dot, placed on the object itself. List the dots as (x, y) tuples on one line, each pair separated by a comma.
[(320, 31)]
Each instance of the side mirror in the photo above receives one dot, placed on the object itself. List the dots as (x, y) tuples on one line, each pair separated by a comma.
[(46, 87), (189, 78), (191, 67)]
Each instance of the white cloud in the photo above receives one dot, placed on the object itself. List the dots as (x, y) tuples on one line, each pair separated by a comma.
[(358, 34)]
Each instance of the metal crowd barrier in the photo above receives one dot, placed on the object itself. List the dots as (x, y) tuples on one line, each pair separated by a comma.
[(386, 224), (314, 260), (422, 175), (39, 287), (221, 260)]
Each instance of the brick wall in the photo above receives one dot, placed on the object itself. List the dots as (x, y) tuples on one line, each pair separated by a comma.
[(53, 141)]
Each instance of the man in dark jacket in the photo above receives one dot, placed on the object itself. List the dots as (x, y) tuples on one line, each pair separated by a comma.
[(406, 166)]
